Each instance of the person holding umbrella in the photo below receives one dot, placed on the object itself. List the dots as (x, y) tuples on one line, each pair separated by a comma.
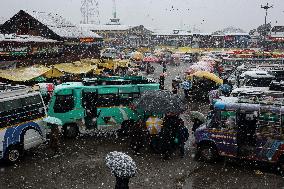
[(197, 118), (122, 167), (186, 86), (183, 136), (169, 133), (138, 136), (54, 124)]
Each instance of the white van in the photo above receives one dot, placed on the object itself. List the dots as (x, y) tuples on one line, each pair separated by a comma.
[(21, 122)]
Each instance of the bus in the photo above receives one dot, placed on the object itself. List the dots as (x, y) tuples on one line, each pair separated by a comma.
[(83, 109), (21, 121), (117, 80)]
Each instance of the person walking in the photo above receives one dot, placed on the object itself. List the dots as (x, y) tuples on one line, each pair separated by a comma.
[(164, 66), (226, 88), (213, 95), (138, 136), (169, 132), (183, 136), (148, 68), (162, 81), (186, 86), (54, 138), (175, 86)]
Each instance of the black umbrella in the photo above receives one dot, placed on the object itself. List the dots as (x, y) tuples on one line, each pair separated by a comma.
[(160, 101)]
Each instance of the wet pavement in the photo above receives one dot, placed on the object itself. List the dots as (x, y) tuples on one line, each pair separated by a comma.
[(82, 165)]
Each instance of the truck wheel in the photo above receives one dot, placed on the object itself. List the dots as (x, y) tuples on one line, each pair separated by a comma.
[(280, 166), (13, 154), (70, 131), (207, 153)]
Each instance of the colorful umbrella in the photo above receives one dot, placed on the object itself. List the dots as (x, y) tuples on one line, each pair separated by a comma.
[(137, 56), (154, 125), (151, 59)]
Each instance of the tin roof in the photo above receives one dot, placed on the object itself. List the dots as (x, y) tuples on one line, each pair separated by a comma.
[(61, 26), (25, 38)]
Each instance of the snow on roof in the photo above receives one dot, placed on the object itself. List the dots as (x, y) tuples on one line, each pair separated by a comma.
[(106, 27), (257, 74), (24, 38), (280, 35), (277, 29), (171, 32), (61, 26)]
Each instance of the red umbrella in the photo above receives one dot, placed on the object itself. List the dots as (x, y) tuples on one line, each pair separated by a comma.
[(151, 59)]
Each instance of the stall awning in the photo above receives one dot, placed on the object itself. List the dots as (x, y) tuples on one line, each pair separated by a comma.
[(29, 73), (75, 67), (208, 75)]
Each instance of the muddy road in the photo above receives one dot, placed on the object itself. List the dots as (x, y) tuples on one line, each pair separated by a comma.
[(82, 164)]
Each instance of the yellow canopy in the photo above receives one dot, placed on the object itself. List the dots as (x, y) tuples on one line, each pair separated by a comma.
[(208, 75), (75, 67), (28, 73), (137, 56), (53, 73)]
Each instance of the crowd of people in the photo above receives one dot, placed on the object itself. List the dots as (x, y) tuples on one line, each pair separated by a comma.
[(161, 135)]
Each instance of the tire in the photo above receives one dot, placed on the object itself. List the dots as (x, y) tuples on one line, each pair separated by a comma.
[(70, 131), (207, 153), (13, 154), (280, 166)]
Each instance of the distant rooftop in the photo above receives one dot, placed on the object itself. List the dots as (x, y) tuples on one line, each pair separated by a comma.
[(176, 32), (106, 27), (25, 38), (277, 29), (60, 25)]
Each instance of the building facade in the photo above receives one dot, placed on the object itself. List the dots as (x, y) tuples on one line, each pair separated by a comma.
[(77, 43)]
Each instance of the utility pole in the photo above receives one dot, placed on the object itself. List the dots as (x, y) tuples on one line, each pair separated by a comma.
[(90, 11), (266, 7)]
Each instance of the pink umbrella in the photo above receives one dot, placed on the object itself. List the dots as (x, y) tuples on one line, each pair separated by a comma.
[(200, 66), (151, 59)]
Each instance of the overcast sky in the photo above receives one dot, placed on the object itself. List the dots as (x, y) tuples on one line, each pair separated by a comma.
[(206, 15)]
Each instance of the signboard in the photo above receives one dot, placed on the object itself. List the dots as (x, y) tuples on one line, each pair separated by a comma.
[(87, 40)]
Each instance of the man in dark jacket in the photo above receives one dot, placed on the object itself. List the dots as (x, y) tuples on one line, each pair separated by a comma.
[(138, 136), (183, 136), (169, 132)]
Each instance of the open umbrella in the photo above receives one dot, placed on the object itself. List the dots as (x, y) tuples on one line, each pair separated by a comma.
[(150, 59), (197, 115), (154, 125), (138, 56), (160, 102), (121, 165)]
